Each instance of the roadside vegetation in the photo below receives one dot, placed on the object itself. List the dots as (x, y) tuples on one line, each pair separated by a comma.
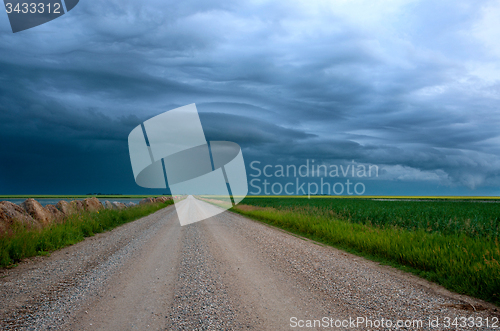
[(23, 242), (453, 243)]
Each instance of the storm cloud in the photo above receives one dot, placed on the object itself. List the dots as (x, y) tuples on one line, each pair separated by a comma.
[(411, 86)]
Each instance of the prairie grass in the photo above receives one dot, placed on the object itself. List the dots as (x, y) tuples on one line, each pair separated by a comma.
[(472, 218), (459, 254), (23, 243)]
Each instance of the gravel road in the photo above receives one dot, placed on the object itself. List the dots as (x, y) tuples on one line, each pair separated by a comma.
[(224, 273)]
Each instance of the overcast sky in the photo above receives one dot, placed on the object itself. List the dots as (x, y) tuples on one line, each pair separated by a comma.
[(410, 86)]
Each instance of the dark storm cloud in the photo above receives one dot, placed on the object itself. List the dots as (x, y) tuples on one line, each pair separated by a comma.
[(393, 84), (47, 148), (246, 131)]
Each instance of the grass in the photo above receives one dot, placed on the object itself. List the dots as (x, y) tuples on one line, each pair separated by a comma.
[(472, 218), (25, 243), (435, 240), (397, 197)]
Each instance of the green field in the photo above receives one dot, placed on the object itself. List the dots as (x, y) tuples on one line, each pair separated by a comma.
[(397, 197), (25, 243), (452, 242)]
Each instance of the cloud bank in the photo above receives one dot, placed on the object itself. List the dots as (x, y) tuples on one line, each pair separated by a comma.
[(412, 86)]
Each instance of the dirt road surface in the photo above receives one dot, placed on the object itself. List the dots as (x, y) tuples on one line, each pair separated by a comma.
[(224, 273)]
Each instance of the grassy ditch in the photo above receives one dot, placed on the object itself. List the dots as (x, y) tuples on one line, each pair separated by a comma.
[(25, 243), (467, 264)]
